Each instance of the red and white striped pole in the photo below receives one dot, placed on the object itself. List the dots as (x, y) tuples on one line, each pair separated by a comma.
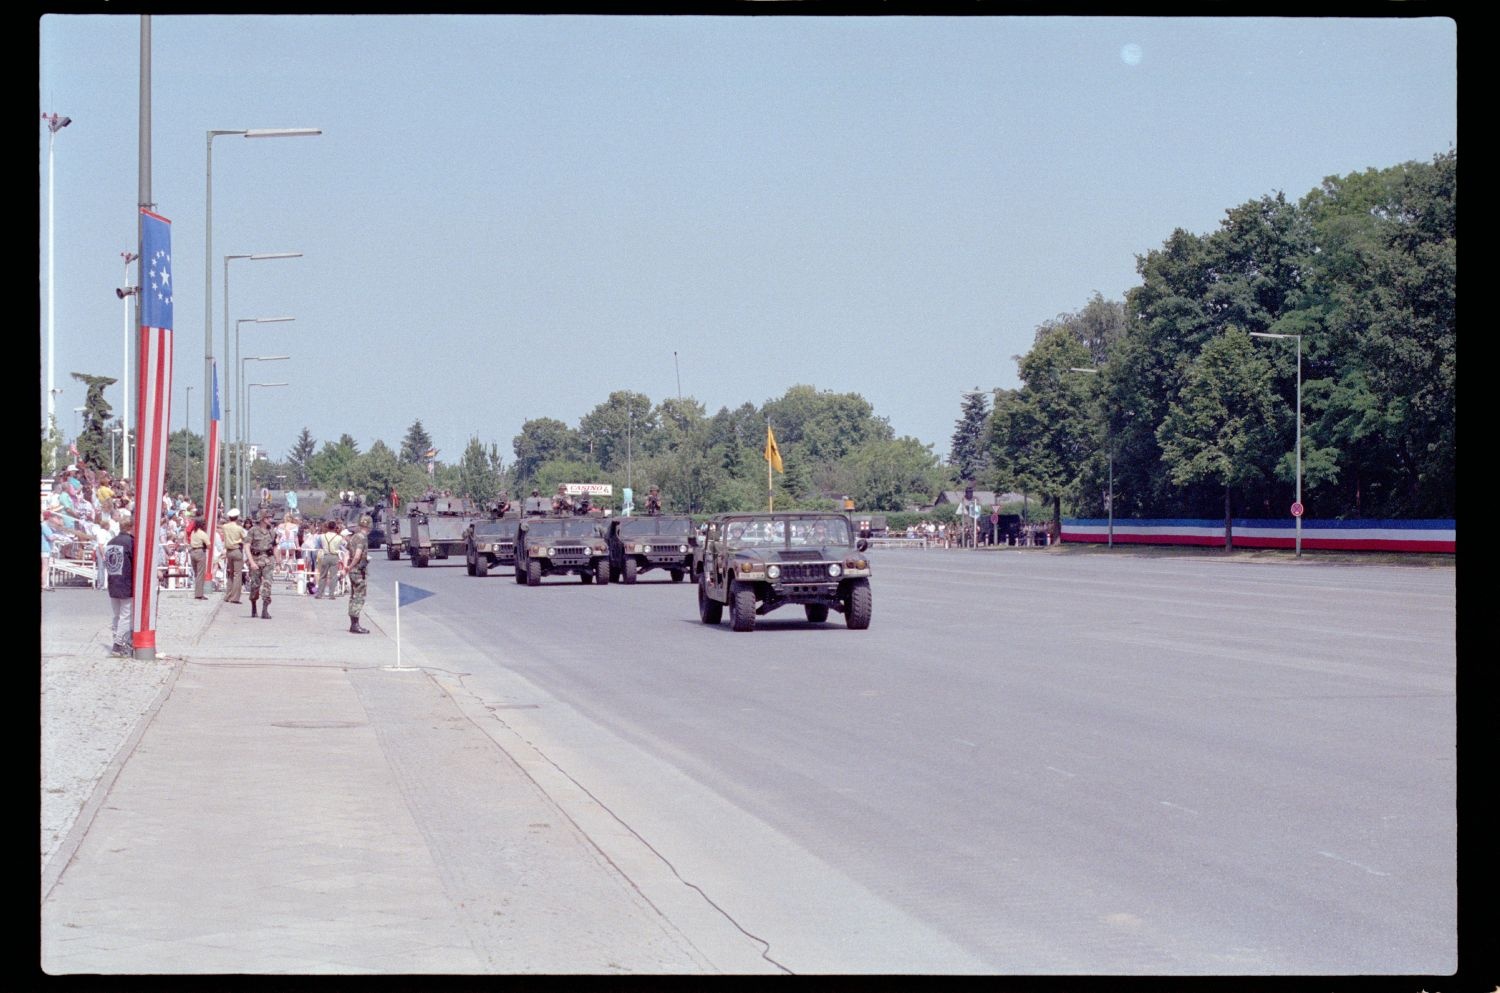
[(154, 396)]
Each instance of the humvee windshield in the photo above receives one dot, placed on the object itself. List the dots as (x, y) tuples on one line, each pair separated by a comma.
[(564, 527), (488, 528), (679, 527), (813, 531)]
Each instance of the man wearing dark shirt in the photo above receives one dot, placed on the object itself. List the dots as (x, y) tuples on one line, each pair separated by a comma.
[(119, 572)]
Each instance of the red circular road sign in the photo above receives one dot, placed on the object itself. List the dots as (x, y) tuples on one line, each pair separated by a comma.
[(1297, 510)]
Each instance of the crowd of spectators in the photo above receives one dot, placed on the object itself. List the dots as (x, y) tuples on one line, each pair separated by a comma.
[(83, 509)]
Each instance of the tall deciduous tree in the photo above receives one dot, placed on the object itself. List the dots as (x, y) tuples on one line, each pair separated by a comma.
[(478, 478), (542, 440), (1222, 428)]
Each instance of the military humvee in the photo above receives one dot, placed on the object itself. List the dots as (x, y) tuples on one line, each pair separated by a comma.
[(640, 544), (756, 563), (557, 546), (490, 541)]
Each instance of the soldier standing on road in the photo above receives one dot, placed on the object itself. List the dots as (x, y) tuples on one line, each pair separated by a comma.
[(234, 555), (359, 562), (199, 554), (261, 545)]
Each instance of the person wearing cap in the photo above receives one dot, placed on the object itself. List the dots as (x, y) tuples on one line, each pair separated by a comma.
[(198, 553), (260, 551), (359, 563), (234, 555), (119, 573), (653, 502)]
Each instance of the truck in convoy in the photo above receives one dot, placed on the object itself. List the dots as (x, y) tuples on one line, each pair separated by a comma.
[(437, 528)]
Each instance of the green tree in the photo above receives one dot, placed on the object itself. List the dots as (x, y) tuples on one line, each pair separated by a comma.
[(329, 468), (478, 478), (1040, 437), (542, 440), (416, 444), (1222, 429), (376, 473), (184, 462), (967, 455), (892, 475), (93, 442), (618, 429), (298, 457)]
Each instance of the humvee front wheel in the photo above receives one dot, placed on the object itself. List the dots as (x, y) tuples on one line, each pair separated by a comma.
[(742, 609), (533, 573), (857, 605), (481, 566), (602, 571), (469, 564), (392, 552), (520, 572), (710, 611), (631, 569), (817, 613)]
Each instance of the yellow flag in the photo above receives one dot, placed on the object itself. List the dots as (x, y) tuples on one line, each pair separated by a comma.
[(773, 454)]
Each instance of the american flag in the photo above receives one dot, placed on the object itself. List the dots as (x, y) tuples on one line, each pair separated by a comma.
[(154, 409)]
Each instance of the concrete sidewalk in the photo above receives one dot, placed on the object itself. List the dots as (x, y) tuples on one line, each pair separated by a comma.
[(271, 796)]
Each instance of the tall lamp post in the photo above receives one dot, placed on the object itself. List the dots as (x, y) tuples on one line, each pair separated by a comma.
[(248, 388), (229, 393), (1297, 505), (125, 293), (208, 247), (187, 430), (236, 390), (55, 124), (1109, 499), (242, 470)]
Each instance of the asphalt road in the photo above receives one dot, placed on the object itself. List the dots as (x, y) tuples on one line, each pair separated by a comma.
[(1031, 763)]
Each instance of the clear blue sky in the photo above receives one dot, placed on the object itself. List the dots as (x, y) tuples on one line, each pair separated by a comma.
[(510, 217)]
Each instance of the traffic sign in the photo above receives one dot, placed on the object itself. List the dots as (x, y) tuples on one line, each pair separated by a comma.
[(1297, 509)]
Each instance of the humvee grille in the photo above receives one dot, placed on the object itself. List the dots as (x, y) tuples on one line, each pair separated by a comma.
[(804, 572)]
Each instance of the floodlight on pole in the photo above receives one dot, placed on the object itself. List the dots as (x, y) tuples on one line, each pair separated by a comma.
[(208, 246), (55, 123), (230, 398), (1297, 505), (236, 389), (248, 388)]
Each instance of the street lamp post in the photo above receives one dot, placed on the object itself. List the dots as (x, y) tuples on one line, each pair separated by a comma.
[(248, 388), (1297, 513), (125, 293), (55, 124), (236, 390), (208, 247), (242, 469), (1109, 499), (187, 430), (229, 393)]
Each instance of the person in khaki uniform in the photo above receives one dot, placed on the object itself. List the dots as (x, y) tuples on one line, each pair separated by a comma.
[(260, 557), (328, 560), (199, 554), (234, 555), (359, 564)]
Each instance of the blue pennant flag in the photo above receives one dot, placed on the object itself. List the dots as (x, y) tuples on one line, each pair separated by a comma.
[(406, 593)]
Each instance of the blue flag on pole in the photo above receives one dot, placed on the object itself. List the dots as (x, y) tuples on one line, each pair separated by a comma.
[(406, 593)]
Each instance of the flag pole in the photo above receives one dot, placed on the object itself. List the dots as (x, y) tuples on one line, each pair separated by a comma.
[(770, 493), (399, 666)]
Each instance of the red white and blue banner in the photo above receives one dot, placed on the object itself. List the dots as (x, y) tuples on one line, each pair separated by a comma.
[(211, 488), (1317, 535), (154, 409)]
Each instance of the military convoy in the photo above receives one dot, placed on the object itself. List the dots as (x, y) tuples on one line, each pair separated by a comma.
[(749, 563), (757, 563)]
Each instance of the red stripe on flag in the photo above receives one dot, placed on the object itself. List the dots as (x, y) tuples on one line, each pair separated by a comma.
[(155, 413)]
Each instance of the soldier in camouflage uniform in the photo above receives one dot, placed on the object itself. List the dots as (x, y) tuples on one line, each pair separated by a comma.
[(359, 563), (260, 552), (653, 502)]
